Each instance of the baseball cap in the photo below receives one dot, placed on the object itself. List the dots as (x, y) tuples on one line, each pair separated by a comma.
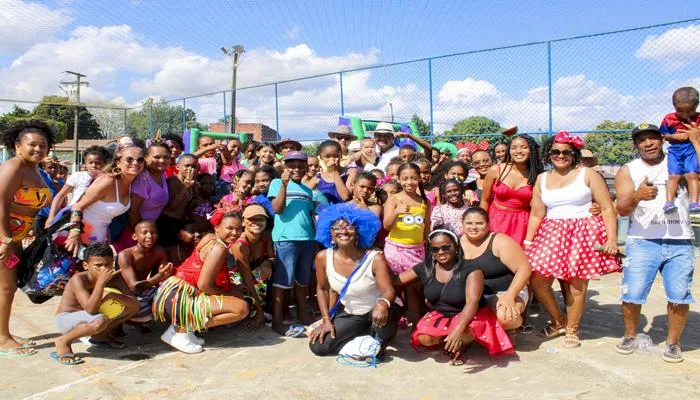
[(645, 128), (296, 155), (253, 210)]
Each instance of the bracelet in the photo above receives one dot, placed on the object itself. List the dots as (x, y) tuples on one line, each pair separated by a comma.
[(527, 242), (388, 303), (76, 213)]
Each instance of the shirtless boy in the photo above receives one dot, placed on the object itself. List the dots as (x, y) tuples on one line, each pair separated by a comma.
[(143, 268), (94, 303)]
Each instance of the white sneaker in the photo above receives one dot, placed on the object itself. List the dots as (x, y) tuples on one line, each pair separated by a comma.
[(196, 339), (180, 341)]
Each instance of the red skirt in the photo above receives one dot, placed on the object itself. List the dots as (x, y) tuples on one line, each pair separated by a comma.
[(485, 328), (565, 249), (510, 222)]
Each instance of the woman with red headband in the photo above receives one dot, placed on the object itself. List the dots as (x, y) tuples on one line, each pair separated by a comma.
[(564, 240)]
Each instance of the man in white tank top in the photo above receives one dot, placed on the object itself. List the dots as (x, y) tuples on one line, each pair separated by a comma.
[(656, 242)]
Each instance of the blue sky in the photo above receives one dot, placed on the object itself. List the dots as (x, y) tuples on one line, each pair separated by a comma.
[(135, 49)]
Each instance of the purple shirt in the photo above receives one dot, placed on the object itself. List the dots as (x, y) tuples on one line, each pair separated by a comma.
[(155, 197)]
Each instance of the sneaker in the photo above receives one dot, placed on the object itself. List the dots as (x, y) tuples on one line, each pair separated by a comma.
[(180, 341), (673, 353), (626, 345), (694, 208), (669, 207), (196, 339)]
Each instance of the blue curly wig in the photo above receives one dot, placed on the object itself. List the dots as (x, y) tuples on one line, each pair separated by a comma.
[(366, 223)]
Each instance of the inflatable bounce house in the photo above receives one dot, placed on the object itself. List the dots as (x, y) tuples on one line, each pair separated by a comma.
[(191, 137)]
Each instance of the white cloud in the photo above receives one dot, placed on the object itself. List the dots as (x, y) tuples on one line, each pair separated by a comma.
[(674, 48), (293, 33), (25, 24)]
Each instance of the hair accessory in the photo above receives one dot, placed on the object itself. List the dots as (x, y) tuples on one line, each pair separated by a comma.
[(216, 216), (566, 138), (445, 231)]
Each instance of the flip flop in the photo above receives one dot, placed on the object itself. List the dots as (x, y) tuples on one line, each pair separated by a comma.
[(112, 344), (24, 342), (73, 359), (550, 331), (294, 331), (16, 352)]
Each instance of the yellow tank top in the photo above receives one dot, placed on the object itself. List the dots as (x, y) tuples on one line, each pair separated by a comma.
[(410, 226)]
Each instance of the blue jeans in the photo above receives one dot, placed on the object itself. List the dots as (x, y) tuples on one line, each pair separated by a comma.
[(293, 263), (675, 259)]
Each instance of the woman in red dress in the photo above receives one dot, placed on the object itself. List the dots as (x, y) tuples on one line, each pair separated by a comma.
[(508, 188)]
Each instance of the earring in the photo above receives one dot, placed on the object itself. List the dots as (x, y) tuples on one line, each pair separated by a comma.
[(116, 171)]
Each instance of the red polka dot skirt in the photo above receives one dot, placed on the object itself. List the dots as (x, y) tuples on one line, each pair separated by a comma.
[(564, 249)]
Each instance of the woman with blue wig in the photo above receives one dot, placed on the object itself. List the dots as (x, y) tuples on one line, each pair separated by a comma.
[(365, 305)]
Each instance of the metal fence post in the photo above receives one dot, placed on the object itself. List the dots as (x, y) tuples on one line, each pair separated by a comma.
[(277, 114), (342, 103), (126, 125), (184, 115), (430, 87), (549, 82), (224, 93), (150, 118)]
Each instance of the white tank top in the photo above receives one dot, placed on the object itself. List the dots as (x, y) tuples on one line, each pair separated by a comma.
[(570, 201), (100, 214), (648, 220), (362, 293)]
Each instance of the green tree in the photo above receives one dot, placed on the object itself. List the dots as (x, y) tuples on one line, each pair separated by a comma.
[(611, 147), (423, 127), (164, 116), (473, 129), (19, 113), (311, 149), (60, 108)]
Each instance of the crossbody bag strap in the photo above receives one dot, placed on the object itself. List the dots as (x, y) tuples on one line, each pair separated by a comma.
[(344, 290)]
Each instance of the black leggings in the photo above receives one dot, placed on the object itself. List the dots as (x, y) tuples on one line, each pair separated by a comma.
[(348, 327)]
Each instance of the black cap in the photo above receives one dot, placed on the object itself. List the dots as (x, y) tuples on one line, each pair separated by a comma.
[(641, 128)]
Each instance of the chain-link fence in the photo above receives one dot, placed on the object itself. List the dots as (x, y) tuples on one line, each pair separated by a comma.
[(595, 85)]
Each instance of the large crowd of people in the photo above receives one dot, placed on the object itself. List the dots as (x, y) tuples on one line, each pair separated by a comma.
[(363, 239)]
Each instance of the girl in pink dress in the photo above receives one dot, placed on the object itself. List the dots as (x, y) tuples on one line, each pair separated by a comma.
[(507, 188)]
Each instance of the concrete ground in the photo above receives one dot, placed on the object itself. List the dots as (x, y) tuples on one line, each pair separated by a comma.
[(241, 365)]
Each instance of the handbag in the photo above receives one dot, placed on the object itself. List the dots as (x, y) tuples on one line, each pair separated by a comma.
[(46, 267), (360, 352)]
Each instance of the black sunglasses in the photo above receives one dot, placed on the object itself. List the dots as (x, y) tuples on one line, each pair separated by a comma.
[(446, 247), (565, 153), (132, 160)]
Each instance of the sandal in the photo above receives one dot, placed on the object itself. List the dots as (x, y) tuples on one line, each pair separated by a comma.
[(571, 340), (18, 352), (67, 358), (526, 329), (24, 342), (550, 331), (108, 344)]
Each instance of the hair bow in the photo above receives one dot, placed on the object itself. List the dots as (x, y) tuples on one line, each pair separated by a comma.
[(566, 137), (473, 147), (216, 217)]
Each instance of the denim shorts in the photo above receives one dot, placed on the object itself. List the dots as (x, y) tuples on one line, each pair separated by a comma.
[(675, 259), (293, 263)]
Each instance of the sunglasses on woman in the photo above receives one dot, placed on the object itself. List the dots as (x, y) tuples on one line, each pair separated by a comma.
[(557, 153), (346, 228), (132, 160), (445, 248)]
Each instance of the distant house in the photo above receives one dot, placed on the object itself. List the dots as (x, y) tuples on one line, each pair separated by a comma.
[(257, 132)]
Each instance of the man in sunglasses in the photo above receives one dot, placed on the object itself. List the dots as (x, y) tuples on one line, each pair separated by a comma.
[(656, 241)]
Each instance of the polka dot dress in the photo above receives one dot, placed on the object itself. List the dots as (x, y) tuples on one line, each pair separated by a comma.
[(564, 249)]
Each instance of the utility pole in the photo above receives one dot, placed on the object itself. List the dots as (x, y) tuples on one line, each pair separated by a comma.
[(234, 52), (77, 83)]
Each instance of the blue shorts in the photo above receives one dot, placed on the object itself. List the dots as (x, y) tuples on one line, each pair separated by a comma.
[(675, 259), (682, 160), (293, 263)]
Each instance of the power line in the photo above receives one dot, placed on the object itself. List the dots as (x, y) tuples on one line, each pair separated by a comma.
[(77, 83)]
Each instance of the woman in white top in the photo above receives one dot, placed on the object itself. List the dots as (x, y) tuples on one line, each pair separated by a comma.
[(366, 305), (564, 240), (106, 198)]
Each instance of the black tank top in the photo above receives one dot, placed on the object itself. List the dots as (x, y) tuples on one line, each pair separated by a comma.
[(497, 277)]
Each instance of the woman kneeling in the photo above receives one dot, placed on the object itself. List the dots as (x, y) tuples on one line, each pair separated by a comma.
[(454, 288), (365, 305), (200, 295)]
